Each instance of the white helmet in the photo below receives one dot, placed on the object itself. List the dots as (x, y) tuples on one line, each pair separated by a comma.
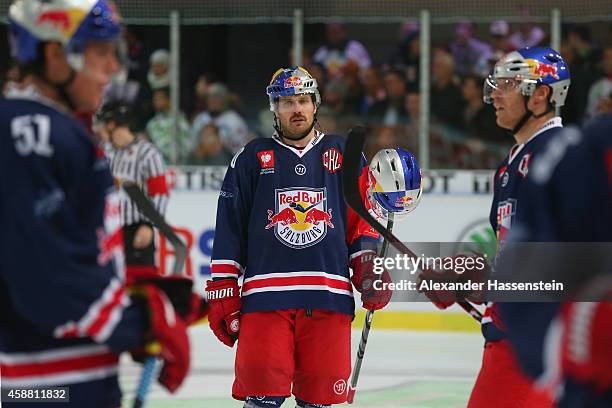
[(72, 23), (395, 184)]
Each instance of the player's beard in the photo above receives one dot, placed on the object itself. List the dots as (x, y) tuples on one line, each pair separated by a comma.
[(298, 136)]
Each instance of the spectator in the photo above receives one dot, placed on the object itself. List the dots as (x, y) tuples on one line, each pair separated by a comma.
[(159, 69), (600, 91), (339, 49), (584, 70), (373, 90), (122, 88), (390, 111), (529, 34), (136, 58), (335, 98), (200, 89), (233, 129), (409, 138), (408, 53), (209, 150), (500, 41), (445, 93), (479, 119), (318, 72), (470, 55), (160, 129), (326, 121)]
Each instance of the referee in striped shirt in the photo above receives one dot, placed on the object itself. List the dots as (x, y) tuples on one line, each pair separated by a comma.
[(134, 159)]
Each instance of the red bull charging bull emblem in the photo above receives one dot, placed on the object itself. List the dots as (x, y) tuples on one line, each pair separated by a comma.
[(540, 70), (292, 81), (65, 20), (301, 217)]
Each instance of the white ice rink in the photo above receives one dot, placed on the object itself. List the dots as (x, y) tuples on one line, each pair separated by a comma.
[(400, 369)]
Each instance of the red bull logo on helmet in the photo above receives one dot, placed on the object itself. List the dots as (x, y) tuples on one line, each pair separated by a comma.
[(66, 20), (292, 82), (538, 69), (405, 201), (301, 217)]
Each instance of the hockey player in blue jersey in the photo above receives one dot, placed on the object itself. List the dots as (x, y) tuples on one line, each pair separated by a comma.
[(65, 313), (283, 225), (567, 347), (525, 88)]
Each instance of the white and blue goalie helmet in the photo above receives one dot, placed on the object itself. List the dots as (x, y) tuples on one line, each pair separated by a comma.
[(395, 183)]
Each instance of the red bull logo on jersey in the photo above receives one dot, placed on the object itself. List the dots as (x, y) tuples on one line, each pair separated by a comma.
[(292, 82), (301, 217), (540, 70)]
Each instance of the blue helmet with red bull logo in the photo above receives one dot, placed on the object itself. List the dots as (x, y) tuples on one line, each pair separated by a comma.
[(395, 183), (72, 23), (528, 68), (292, 81)]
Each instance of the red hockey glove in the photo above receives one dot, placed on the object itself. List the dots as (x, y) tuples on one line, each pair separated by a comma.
[(586, 349), (364, 278), (461, 268), (169, 331), (224, 316)]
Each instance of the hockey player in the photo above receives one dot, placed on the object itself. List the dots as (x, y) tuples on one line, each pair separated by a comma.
[(577, 334), (283, 225), (136, 160), (525, 88), (65, 315)]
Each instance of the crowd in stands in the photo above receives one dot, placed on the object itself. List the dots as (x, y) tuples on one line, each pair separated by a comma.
[(382, 94)]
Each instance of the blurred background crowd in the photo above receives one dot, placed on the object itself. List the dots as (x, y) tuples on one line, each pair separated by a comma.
[(362, 77)]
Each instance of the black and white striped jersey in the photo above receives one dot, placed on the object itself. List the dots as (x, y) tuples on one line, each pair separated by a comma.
[(142, 163)]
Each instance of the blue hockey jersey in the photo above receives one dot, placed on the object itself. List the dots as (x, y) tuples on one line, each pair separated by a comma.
[(569, 199), (508, 209), (64, 312), (282, 223)]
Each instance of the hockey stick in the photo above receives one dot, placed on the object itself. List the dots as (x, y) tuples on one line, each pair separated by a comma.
[(352, 156), (145, 205), (365, 332)]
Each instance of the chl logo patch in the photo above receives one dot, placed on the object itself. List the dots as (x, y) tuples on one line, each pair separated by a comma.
[(340, 387), (332, 160), (301, 217), (266, 161)]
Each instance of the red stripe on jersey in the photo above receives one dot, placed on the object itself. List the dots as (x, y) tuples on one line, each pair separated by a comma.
[(225, 268), (58, 366), (105, 314), (297, 280), (157, 185)]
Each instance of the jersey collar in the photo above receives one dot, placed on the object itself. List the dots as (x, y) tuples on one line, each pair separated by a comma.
[(30, 93), (552, 123), (301, 152)]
